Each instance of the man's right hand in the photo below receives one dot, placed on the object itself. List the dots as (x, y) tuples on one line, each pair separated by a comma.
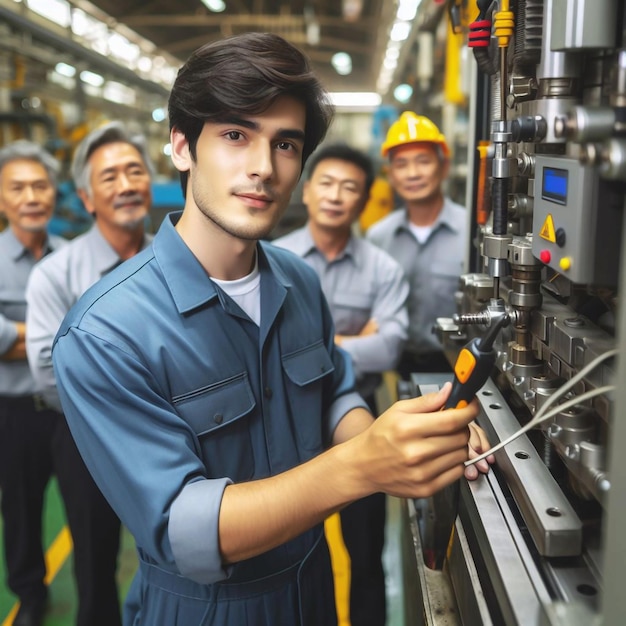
[(414, 448)]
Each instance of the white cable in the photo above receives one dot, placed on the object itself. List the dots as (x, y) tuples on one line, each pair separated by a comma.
[(542, 414), (560, 392), (561, 407)]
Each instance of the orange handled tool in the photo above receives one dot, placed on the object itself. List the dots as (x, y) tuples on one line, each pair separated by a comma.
[(473, 366)]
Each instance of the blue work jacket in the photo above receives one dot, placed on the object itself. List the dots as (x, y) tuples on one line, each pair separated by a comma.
[(172, 393)]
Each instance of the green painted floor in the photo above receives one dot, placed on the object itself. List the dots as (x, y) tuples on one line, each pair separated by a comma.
[(62, 599), (62, 604)]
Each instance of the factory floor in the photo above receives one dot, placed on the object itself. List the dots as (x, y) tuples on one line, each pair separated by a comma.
[(62, 603)]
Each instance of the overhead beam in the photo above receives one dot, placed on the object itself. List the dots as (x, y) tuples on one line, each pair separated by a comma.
[(271, 21), (296, 37)]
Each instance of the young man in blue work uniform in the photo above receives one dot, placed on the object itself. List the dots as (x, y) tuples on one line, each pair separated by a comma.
[(428, 235), (366, 293), (201, 380)]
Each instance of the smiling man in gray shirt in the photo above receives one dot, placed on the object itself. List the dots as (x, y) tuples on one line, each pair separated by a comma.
[(112, 174), (366, 293)]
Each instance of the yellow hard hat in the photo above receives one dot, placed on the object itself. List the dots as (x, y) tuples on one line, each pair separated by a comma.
[(412, 128)]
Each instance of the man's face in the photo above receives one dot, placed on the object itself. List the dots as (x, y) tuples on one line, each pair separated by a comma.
[(245, 169), (27, 196), (120, 186), (416, 172), (335, 194)]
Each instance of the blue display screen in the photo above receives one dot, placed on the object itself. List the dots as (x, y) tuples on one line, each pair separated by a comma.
[(554, 185)]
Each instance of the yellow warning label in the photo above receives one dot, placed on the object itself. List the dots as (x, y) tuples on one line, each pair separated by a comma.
[(547, 230)]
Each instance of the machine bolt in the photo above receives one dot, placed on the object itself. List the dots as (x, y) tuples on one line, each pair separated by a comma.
[(554, 430), (574, 322)]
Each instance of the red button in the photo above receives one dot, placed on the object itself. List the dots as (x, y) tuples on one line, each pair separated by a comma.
[(545, 256)]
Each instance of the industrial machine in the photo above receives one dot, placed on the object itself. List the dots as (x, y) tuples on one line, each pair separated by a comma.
[(538, 540)]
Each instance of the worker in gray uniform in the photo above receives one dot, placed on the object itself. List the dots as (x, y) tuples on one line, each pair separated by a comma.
[(112, 174), (29, 450), (428, 235), (366, 292)]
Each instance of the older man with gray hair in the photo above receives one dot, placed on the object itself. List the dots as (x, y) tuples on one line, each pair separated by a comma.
[(28, 177), (112, 173)]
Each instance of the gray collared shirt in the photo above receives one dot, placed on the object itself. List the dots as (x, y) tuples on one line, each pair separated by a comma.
[(363, 282), (16, 264), (432, 268), (55, 284)]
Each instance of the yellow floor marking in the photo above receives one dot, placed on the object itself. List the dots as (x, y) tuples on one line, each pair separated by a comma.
[(56, 555), (340, 560)]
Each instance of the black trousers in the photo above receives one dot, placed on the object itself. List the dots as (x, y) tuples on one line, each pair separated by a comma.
[(363, 531), (35, 443)]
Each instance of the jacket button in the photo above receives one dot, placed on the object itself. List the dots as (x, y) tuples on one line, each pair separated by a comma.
[(218, 418), (267, 392), (322, 368)]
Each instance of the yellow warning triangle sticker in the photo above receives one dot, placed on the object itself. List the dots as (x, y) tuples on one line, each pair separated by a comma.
[(547, 230)]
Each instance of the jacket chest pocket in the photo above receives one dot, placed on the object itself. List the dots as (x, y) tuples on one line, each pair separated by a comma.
[(220, 415), (307, 371)]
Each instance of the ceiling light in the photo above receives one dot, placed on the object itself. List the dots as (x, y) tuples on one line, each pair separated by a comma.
[(57, 11), (402, 93), (407, 10), (159, 115), (144, 64), (355, 99), (65, 70), (400, 31), (342, 62), (91, 78), (313, 33), (217, 6)]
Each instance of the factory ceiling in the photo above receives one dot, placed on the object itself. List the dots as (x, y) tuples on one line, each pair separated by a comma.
[(320, 28)]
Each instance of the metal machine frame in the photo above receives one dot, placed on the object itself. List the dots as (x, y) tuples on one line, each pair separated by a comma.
[(539, 540)]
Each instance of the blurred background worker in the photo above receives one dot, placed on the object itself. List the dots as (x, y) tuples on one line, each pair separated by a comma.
[(112, 173), (367, 294), (427, 236), (27, 427)]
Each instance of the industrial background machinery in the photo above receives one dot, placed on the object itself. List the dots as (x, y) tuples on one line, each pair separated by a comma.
[(539, 541)]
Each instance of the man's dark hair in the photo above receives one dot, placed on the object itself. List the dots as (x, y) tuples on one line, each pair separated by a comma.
[(244, 75), (343, 152)]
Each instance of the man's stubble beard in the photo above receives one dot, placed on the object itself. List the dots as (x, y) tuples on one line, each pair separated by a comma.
[(247, 234)]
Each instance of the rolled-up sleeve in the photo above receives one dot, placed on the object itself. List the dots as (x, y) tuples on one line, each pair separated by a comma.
[(194, 533)]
